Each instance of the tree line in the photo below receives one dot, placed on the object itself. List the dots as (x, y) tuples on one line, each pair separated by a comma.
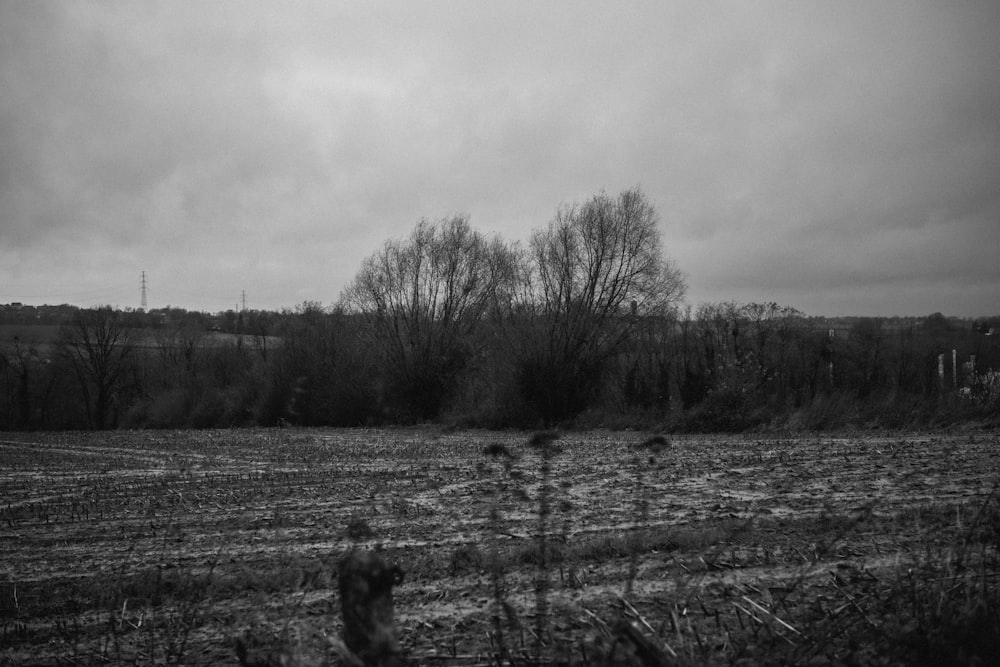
[(583, 325)]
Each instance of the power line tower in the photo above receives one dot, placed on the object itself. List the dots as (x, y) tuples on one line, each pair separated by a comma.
[(143, 291)]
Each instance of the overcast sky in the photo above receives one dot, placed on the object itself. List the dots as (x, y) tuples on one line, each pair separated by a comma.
[(839, 157)]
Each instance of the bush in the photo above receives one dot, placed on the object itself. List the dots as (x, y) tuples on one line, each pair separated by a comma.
[(221, 408), (169, 409), (722, 411)]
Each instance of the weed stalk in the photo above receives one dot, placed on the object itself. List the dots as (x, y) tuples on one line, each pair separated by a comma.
[(654, 446), (498, 589), (543, 442)]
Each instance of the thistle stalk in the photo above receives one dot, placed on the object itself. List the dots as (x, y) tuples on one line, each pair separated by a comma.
[(543, 442)]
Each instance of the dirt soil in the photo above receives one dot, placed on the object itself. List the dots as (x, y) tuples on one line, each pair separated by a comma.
[(165, 547)]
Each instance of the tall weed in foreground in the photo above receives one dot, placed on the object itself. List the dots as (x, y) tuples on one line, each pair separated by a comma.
[(939, 607), (947, 611), (543, 442), (626, 641), (729, 599), (501, 608), (942, 607), (152, 610), (651, 448)]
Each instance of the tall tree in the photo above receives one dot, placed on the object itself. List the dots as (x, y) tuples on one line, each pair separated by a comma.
[(592, 277), (16, 365), (97, 344), (422, 297)]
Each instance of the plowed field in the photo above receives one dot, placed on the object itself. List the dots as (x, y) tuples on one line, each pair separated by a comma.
[(147, 547)]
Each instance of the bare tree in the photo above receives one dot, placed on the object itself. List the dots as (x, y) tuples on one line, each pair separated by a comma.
[(97, 344), (592, 278), (177, 350), (16, 364), (745, 345), (423, 297), (722, 340)]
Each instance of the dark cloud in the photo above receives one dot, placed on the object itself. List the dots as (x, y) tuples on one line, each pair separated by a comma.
[(838, 157)]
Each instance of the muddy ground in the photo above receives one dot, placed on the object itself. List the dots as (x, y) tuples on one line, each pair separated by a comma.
[(165, 547)]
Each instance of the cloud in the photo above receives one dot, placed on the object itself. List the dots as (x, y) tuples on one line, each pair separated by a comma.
[(801, 149)]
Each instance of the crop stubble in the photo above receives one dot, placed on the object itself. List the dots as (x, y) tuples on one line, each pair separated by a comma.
[(163, 546)]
